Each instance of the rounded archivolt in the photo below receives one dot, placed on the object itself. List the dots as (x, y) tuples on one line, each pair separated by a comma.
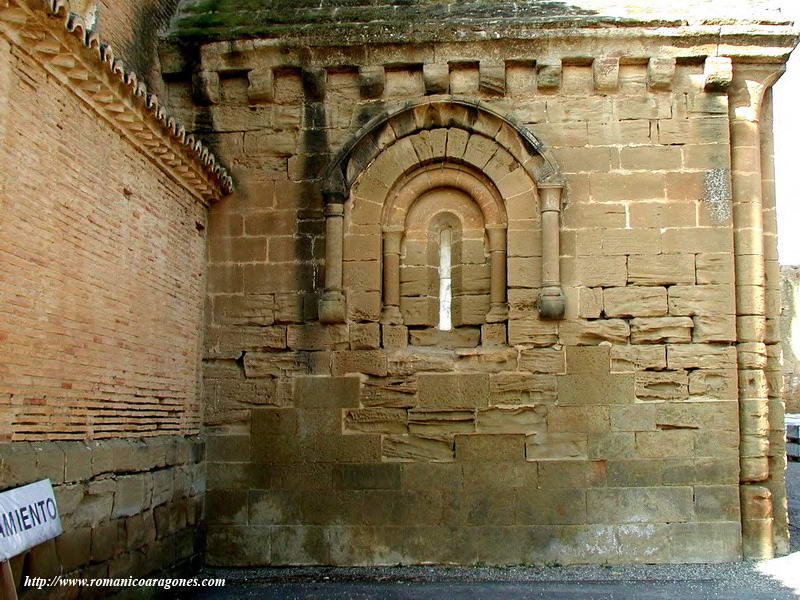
[(436, 113), (439, 144)]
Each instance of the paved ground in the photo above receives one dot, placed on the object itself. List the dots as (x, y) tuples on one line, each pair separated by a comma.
[(776, 579)]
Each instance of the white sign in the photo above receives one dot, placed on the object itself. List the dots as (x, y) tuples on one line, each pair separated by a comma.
[(28, 516)]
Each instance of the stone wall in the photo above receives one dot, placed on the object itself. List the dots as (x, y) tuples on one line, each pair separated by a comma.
[(610, 435), (129, 508), (790, 277)]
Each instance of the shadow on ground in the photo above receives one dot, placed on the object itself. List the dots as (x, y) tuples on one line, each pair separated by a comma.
[(774, 579)]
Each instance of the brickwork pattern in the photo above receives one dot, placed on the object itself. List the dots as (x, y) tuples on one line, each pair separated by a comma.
[(103, 275)]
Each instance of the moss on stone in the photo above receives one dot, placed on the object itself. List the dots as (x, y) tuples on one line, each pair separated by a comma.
[(327, 22)]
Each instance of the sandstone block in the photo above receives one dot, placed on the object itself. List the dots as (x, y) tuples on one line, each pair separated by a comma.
[(494, 334), (326, 392), (490, 447), (611, 242), (595, 388), (589, 333), (372, 81), (706, 542), (601, 271), (578, 419), (643, 107), (368, 362), (714, 268), (717, 73), (556, 446), (572, 474), (418, 448), (435, 423), (701, 356), (613, 445), (394, 336), (365, 336), (130, 496), (453, 391), (510, 420), (605, 72), (548, 74), (492, 77), (714, 328), (376, 420), (635, 301), (470, 310), (534, 332), (697, 240), (239, 545), (366, 477), (316, 336), (590, 303), (551, 507), (639, 505), (542, 360), (661, 270), (422, 311), (517, 387), (261, 364), (676, 443), (721, 384), (460, 337), (660, 73), (638, 357), (688, 300), (656, 330), (299, 545), (421, 476), (662, 385)]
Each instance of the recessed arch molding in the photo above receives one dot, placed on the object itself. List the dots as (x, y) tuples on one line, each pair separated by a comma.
[(524, 161)]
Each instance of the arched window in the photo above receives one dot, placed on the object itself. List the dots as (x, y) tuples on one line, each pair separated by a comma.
[(445, 279)]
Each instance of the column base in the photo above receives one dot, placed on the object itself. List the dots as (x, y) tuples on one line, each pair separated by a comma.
[(498, 313), (332, 308), (391, 315), (551, 303)]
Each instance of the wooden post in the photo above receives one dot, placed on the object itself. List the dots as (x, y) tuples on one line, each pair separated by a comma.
[(8, 591)]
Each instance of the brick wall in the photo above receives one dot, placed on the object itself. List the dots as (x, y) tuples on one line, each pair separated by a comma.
[(102, 258)]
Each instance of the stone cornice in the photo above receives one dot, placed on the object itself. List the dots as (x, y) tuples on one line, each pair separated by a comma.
[(58, 39)]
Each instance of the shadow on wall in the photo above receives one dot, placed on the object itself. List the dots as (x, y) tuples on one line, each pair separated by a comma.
[(790, 336)]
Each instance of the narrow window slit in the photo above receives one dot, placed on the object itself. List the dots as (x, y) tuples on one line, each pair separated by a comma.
[(445, 280)]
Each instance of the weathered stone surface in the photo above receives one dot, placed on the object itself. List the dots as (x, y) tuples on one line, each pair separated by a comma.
[(637, 357), (640, 505), (661, 270), (510, 420), (599, 388), (702, 300), (701, 356), (589, 333), (453, 391), (556, 446), (635, 301), (490, 447), (376, 420), (434, 423), (655, 330), (514, 388), (662, 385), (418, 448)]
